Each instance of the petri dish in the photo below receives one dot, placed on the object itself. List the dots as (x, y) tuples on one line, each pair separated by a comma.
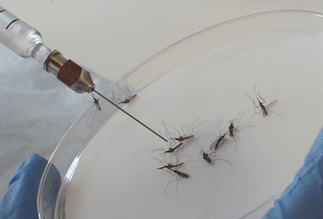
[(108, 163)]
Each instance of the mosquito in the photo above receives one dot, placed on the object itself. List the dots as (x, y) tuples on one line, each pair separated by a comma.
[(217, 142), (129, 96), (206, 156), (96, 102), (233, 129), (173, 169), (261, 101), (186, 135), (128, 99), (179, 176), (91, 115), (170, 149), (168, 166)]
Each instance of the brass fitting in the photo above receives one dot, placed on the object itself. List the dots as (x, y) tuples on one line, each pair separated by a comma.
[(68, 72)]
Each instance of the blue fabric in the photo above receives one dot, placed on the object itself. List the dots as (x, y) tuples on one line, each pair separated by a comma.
[(19, 201), (303, 198)]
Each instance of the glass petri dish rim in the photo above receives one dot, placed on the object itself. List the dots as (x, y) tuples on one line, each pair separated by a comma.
[(170, 57)]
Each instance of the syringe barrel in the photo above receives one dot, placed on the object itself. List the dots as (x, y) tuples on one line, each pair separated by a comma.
[(21, 38), (26, 41)]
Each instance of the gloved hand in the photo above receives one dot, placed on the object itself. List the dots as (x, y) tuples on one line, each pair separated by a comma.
[(19, 201), (303, 198)]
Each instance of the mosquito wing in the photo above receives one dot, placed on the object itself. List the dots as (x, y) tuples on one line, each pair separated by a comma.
[(132, 97), (112, 98), (213, 145), (271, 104)]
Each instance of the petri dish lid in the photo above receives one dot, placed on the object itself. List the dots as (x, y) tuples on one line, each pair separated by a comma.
[(234, 46)]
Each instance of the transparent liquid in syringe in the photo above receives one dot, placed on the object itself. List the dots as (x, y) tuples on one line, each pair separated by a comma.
[(21, 38)]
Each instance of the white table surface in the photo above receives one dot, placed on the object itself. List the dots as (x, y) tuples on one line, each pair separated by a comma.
[(110, 38)]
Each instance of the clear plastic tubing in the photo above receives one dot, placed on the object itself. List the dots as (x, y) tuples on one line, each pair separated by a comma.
[(21, 38)]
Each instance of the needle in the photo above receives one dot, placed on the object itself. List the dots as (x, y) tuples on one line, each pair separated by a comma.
[(130, 115)]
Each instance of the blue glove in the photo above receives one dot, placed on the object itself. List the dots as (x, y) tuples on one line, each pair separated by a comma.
[(19, 201), (303, 198)]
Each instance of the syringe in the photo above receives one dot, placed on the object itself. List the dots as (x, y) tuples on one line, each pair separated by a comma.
[(26, 41)]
